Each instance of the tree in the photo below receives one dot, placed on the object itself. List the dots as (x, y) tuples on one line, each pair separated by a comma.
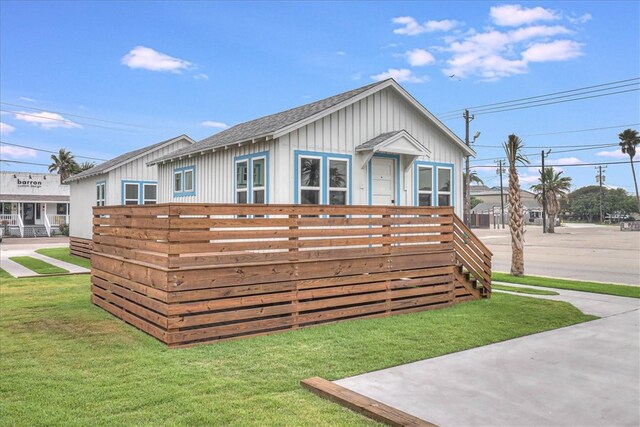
[(63, 163), (473, 178), (583, 203), (556, 187), (629, 140), (475, 202), (513, 149), (81, 167)]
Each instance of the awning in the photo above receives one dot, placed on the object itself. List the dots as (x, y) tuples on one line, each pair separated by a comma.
[(395, 142)]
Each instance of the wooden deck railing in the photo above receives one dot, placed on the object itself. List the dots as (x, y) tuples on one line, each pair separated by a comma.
[(188, 273), (472, 253)]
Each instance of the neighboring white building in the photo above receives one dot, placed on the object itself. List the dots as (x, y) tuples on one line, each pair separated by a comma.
[(124, 180), (33, 204), (372, 145)]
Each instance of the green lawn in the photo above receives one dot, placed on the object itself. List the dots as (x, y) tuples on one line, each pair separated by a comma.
[(63, 254), (573, 285), (67, 362), (5, 275), (38, 266), (531, 291)]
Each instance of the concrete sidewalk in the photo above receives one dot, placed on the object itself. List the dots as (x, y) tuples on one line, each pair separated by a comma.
[(17, 270), (586, 374)]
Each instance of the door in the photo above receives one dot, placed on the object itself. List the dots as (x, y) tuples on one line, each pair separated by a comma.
[(383, 182), (28, 213)]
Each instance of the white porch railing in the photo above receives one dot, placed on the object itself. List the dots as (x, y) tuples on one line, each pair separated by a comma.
[(12, 220), (57, 220), (47, 225), (20, 225)]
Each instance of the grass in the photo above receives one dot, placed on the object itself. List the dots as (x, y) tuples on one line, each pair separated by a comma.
[(63, 254), (531, 291), (573, 285), (5, 275), (37, 265), (67, 362)]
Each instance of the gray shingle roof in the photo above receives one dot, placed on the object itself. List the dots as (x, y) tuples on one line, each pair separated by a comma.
[(372, 143), (121, 159), (267, 125)]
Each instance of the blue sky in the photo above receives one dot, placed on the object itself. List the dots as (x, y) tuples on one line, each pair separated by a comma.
[(195, 67)]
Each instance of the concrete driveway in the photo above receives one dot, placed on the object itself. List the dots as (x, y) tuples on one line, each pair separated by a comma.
[(581, 375), (582, 252)]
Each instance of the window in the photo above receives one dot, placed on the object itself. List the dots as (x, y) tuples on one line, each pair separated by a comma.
[(241, 182), (5, 208), (310, 179), (61, 209), (425, 186), (338, 178), (131, 193), (149, 196), (100, 193), (184, 181), (444, 186), (251, 178)]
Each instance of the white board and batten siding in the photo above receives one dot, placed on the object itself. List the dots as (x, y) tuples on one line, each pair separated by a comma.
[(339, 133), (83, 191)]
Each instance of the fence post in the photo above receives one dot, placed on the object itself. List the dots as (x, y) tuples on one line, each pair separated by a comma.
[(293, 255)]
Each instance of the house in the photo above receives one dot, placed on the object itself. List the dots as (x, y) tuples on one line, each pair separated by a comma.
[(33, 204), (490, 204), (124, 180), (375, 145)]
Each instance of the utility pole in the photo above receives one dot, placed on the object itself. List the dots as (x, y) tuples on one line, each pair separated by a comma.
[(467, 178), (600, 181), (544, 195), (500, 171)]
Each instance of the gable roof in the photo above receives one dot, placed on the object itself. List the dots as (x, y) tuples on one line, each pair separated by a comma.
[(389, 141), (125, 158), (276, 125)]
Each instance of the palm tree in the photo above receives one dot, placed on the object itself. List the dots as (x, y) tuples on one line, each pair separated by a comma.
[(513, 149), (473, 178), (629, 140), (81, 167), (64, 163), (556, 188)]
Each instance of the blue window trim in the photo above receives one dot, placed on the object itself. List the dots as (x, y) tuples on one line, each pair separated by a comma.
[(434, 170), (249, 158), (396, 157), (324, 188), (140, 189), (105, 191), (181, 171)]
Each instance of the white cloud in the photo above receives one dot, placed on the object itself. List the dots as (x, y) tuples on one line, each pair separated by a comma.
[(526, 33), (529, 179), (391, 46), (413, 28), (46, 120), (6, 129), (419, 57), (580, 19), (16, 152), (513, 15), (399, 75), (214, 124), (559, 50), (201, 76), (356, 76), (150, 59), (615, 154), (567, 161), (341, 53), (24, 98)]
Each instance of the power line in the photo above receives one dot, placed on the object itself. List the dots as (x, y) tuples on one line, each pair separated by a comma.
[(48, 151), (460, 110), (561, 165), (65, 121), (601, 144), (24, 163), (581, 130), (554, 151), (76, 115)]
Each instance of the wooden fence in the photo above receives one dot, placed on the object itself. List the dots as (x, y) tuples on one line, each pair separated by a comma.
[(191, 273)]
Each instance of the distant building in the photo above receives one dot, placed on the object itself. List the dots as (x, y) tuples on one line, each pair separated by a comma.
[(490, 205), (33, 204)]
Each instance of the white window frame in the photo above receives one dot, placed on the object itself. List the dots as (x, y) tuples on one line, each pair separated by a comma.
[(430, 193), (124, 196), (188, 188), (101, 201), (178, 190), (262, 187), (445, 193), (299, 178), (344, 189), (245, 189), (146, 201)]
